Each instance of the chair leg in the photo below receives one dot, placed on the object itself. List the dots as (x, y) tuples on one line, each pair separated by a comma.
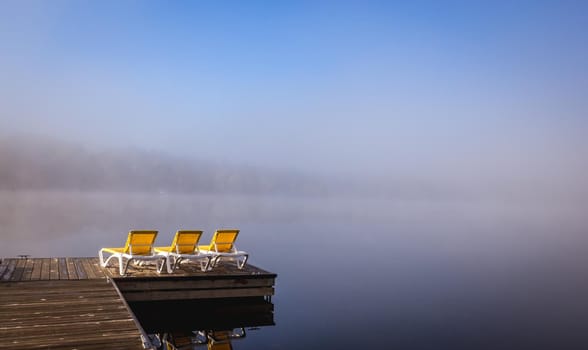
[(166, 262), (101, 256), (121, 271), (160, 267), (177, 261), (172, 261), (105, 262), (241, 264), (124, 271), (205, 264)]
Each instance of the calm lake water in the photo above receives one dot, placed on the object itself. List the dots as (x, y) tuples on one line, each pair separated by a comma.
[(358, 273)]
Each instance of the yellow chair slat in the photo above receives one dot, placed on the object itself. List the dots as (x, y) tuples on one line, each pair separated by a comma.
[(140, 242), (222, 241)]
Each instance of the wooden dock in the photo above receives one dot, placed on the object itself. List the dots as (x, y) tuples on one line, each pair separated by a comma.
[(62, 303), (188, 283), (74, 303)]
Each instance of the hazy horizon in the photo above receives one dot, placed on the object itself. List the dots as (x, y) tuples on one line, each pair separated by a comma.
[(425, 99), (38, 163)]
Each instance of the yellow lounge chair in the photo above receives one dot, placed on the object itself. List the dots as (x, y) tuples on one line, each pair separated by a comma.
[(139, 247), (221, 340), (222, 246), (184, 247)]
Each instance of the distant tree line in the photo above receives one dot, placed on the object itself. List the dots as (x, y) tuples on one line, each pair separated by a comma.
[(49, 164)]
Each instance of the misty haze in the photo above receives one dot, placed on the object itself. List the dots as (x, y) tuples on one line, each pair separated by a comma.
[(414, 174), (471, 249)]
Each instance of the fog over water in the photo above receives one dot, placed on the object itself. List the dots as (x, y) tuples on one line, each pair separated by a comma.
[(56, 190), (426, 265), (418, 273)]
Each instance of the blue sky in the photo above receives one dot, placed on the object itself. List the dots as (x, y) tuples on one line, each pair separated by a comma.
[(450, 90)]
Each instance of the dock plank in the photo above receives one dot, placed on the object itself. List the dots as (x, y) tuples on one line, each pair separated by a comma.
[(95, 264), (65, 313), (187, 283), (100, 340), (3, 267), (36, 273), (45, 267), (28, 270), (86, 264), (18, 270), (62, 264), (11, 266), (54, 269), (198, 294), (71, 269), (81, 272)]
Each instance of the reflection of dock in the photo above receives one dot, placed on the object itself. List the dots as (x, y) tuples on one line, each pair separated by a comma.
[(163, 316), (215, 322), (68, 302)]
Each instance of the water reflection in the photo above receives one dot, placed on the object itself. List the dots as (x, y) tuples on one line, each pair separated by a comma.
[(429, 274), (193, 324), (214, 339)]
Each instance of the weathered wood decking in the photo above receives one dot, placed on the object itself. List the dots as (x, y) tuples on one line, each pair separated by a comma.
[(188, 282), (62, 303), (50, 269), (74, 303)]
